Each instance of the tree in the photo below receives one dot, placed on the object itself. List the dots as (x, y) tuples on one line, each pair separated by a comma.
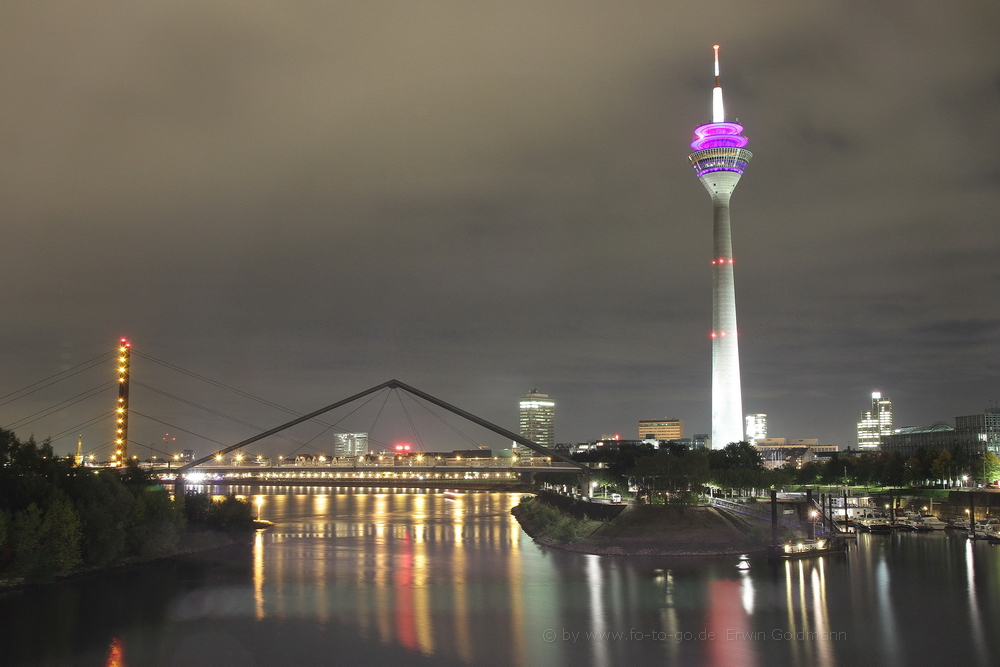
[(892, 469), (990, 463), (942, 466), (60, 537), (736, 455), (677, 469)]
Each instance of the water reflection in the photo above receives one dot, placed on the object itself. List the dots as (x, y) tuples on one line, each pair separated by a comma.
[(116, 654), (975, 619), (417, 577)]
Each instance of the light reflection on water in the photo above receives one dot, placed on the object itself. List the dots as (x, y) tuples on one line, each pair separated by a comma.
[(359, 576)]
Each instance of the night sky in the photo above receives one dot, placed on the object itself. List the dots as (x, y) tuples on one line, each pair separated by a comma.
[(304, 199)]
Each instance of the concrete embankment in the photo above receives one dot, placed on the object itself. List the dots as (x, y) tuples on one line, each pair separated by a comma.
[(649, 530)]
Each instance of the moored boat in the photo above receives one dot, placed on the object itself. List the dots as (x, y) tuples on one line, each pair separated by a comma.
[(928, 522), (873, 523), (807, 548)]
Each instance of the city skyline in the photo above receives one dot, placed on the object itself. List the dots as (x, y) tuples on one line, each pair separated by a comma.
[(476, 203)]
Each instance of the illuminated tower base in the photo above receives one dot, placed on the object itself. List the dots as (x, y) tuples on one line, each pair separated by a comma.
[(719, 161)]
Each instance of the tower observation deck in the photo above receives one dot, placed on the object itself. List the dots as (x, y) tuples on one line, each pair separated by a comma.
[(719, 160)]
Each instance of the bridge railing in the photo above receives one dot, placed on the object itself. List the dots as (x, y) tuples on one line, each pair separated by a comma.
[(353, 464)]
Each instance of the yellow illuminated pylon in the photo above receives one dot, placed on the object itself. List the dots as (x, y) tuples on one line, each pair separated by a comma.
[(121, 411)]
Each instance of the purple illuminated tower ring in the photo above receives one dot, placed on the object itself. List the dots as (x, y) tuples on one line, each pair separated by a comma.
[(719, 160)]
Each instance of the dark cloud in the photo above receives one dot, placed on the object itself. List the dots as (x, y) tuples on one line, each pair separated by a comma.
[(306, 199)]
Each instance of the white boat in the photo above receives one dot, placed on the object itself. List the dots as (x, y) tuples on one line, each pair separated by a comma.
[(986, 529), (927, 522)]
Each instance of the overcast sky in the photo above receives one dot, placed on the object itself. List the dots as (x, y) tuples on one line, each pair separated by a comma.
[(303, 199)]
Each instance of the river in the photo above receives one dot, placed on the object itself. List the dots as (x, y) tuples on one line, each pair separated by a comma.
[(372, 577)]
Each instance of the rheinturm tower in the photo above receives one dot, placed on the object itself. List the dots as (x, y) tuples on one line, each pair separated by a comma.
[(719, 159)]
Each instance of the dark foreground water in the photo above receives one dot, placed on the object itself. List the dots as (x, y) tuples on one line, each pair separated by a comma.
[(369, 577)]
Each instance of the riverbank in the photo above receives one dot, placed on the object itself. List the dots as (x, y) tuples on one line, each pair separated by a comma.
[(647, 530), (191, 542)]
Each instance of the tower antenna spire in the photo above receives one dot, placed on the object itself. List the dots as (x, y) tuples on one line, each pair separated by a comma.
[(718, 112)]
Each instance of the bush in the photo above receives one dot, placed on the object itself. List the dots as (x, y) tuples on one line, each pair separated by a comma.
[(229, 513), (548, 520)]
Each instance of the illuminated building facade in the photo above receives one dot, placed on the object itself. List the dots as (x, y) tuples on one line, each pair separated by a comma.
[(120, 456), (350, 444), (756, 427), (537, 418), (875, 423), (661, 429), (719, 159), (985, 426), (973, 434)]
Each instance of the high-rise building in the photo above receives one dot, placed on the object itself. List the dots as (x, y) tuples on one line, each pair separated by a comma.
[(756, 427), (661, 429), (719, 159), (875, 423), (537, 422), (350, 444)]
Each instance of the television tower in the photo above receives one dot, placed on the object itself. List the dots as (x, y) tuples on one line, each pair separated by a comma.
[(719, 159)]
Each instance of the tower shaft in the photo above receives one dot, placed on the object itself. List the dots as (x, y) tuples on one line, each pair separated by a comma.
[(727, 395)]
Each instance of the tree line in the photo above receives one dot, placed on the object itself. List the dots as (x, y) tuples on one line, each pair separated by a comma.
[(57, 518), (677, 469)]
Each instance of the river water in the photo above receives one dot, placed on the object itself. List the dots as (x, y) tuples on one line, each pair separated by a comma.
[(412, 577)]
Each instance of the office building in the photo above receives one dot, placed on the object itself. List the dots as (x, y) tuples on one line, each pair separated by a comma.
[(537, 418), (973, 435), (756, 427), (875, 423), (661, 429), (350, 444)]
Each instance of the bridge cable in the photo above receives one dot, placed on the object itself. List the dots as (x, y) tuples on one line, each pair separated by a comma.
[(379, 414), (370, 440), (197, 435), (442, 420), (210, 410), (254, 426), (412, 427), (62, 404), (223, 385), (49, 378), (82, 425)]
